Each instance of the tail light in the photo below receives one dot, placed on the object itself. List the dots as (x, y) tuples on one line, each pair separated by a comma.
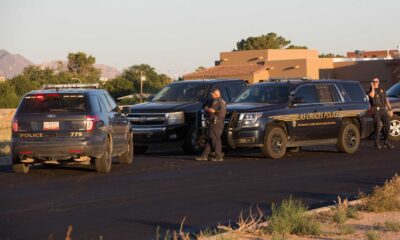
[(91, 122), (15, 127)]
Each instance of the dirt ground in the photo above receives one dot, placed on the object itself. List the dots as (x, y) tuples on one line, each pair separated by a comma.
[(367, 223)]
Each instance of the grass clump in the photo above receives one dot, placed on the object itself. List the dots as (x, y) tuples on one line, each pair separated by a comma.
[(290, 218), (392, 226), (385, 198), (346, 229), (344, 212), (372, 235)]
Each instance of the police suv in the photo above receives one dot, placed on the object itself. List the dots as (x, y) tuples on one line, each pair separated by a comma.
[(70, 124), (278, 115)]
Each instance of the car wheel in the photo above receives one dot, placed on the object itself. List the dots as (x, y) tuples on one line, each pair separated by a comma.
[(20, 168), (349, 138), (103, 164), (140, 149), (275, 141), (191, 144), (127, 156), (394, 133)]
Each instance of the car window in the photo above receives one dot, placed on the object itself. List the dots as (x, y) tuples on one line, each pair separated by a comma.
[(184, 92), (105, 103), (263, 93), (53, 102), (111, 101), (354, 91), (307, 93), (224, 92), (394, 91), (235, 88), (324, 93), (94, 103)]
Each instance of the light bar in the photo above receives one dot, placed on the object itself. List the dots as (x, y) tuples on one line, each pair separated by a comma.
[(71, 85)]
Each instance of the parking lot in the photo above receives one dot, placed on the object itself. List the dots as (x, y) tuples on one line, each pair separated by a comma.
[(163, 187)]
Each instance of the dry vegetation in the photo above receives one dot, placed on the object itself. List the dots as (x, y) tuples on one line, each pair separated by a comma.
[(5, 130), (376, 216)]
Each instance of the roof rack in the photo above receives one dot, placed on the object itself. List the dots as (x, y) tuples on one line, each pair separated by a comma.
[(71, 85)]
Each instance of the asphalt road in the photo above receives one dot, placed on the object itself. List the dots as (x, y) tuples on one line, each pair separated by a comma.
[(162, 188)]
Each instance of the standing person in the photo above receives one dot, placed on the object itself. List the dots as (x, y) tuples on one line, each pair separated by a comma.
[(380, 106), (217, 113)]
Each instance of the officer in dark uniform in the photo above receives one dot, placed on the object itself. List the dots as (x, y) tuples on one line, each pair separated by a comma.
[(217, 113), (380, 106)]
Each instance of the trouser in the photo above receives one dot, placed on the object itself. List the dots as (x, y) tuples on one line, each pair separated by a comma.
[(214, 139), (379, 116)]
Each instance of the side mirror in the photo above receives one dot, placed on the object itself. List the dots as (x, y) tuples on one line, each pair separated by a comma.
[(150, 98), (126, 110), (296, 100)]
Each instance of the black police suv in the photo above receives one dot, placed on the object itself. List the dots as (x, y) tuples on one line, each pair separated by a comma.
[(278, 115), (175, 113), (70, 124), (393, 93)]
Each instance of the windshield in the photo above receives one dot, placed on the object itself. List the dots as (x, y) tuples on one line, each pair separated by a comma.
[(264, 94), (182, 92), (394, 91), (44, 103)]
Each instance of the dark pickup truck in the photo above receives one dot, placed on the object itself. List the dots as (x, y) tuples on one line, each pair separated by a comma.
[(278, 115), (175, 113)]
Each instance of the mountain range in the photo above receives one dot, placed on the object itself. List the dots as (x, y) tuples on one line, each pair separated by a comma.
[(12, 65)]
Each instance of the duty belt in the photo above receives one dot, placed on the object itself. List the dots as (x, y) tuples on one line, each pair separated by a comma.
[(378, 108)]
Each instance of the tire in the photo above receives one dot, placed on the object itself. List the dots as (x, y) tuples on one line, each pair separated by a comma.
[(394, 133), (140, 149), (127, 156), (190, 143), (103, 164), (349, 138), (20, 168), (275, 141)]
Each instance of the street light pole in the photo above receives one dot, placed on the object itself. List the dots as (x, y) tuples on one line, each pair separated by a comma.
[(141, 87), (142, 79)]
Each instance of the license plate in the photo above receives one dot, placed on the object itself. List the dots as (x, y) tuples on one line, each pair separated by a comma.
[(51, 125)]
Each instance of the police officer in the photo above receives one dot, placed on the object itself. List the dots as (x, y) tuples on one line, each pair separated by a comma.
[(380, 106), (217, 112)]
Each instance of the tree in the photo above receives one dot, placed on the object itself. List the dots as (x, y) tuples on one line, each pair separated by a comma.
[(296, 47), (330, 55), (201, 68), (269, 41), (82, 66), (154, 81), (9, 98), (119, 87)]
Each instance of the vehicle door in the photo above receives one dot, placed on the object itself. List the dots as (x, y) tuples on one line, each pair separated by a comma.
[(328, 117), (112, 118), (122, 122), (305, 105)]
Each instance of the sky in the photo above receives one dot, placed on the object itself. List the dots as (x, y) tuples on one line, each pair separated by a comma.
[(177, 36)]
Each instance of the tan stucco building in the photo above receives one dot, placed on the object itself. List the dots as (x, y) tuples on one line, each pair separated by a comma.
[(261, 65)]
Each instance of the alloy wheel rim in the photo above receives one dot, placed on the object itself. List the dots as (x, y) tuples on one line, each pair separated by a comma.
[(395, 128)]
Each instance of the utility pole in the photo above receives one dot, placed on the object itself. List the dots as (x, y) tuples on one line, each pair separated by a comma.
[(142, 79)]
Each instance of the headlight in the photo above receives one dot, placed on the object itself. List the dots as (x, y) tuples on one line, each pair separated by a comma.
[(175, 118), (249, 120)]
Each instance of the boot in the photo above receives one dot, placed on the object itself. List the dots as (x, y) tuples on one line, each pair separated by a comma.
[(201, 158)]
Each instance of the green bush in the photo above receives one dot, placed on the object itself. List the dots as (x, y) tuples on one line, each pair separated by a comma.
[(290, 218)]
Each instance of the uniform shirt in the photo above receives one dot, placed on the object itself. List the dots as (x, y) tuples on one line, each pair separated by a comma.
[(380, 98), (219, 105)]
